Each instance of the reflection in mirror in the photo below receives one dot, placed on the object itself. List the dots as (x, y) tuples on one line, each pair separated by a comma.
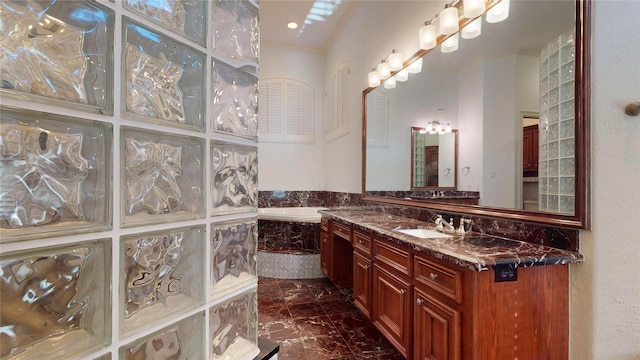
[(433, 160), (532, 63)]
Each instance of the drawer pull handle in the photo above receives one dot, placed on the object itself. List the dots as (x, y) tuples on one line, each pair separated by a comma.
[(433, 276), (366, 267), (403, 291), (419, 301), (359, 241)]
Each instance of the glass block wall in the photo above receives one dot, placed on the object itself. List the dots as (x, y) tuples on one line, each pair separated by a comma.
[(128, 189), (557, 126)]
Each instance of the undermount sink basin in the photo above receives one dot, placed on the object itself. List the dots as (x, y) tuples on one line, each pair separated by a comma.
[(424, 233)]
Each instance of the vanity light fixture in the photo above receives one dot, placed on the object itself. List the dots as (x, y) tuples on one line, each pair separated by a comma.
[(451, 44), (435, 127), (395, 61), (415, 67), (499, 12), (473, 8), (383, 70), (390, 83), (449, 21), (374, 78), (402, 75), (428, 36), (473, 29)]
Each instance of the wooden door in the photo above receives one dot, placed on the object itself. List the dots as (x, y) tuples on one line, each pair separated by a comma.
[(431, 165)]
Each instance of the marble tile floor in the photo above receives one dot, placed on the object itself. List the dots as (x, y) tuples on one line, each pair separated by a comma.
[(312, 319)]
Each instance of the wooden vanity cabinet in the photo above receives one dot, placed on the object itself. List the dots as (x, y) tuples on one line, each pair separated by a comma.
[(430, 308), (530, 149)]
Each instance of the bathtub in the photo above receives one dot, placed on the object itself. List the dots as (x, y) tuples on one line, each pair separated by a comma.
[(289, 242), (292, 214)]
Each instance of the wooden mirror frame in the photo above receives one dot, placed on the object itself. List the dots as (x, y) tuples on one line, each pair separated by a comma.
[(580, 217)]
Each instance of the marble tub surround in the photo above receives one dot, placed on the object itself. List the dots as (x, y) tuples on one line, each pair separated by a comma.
[(289, 237), (474, 250), (286, 198)]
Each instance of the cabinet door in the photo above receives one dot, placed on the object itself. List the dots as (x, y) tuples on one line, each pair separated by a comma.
[(362, 284), (325, 254), (436, 329), (392, 308)]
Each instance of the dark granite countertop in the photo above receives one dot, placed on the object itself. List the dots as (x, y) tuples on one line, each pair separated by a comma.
[(474, 251)]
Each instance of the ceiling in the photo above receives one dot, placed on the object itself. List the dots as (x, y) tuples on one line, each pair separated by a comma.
[(317, 20)]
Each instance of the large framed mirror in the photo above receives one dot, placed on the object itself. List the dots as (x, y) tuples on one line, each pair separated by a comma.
[(518, 96)]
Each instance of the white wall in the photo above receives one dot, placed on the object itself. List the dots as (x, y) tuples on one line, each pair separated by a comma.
[(501, 123), (605, 289), (470, 159), (293, 166)]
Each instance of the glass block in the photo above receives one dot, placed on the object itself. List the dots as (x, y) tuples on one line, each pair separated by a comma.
[(554, 46), (234, 182), (554, 96), (567, 204), (543, 169), (568, 52), (567, 128), (567, 185), (235, 29), (233, 328), (552, 185), (552, 132), (235, 101), (543, 201), (552, 203), (233, 256), (567, 110), (104, 357), (55, 301), (567, 72), (554, 61), (567, 147), (180, 341), (544, 53), (162, 177), (55, 175), (543, 185), (567, 91), (58, 52), (553, 150), (185, 17), (544, 85), (568, 166), (163, 81), (554, 114), (544, 101), (553, 167), (160, 275), (554, 79)]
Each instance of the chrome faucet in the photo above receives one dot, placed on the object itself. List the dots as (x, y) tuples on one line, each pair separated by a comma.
[(442, 224)]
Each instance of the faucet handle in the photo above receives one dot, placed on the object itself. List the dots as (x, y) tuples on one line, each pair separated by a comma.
[(439, 221), (461, 229)]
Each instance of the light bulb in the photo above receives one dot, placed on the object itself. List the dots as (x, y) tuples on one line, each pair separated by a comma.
[(374, 78), (449, 21), (402, 75), (415, 67), (451, 44), (383, 70), (473, 29), (395, 61), (499, 12), (473, 8), (427, 37), (390, 83)]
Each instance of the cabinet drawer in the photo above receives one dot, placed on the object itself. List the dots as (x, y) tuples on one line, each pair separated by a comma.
[(324, 224), (362, 242), (342, 231), (440, 278), (393, 256)]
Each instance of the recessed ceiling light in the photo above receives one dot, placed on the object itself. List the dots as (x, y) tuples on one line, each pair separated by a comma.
[(292, 25)]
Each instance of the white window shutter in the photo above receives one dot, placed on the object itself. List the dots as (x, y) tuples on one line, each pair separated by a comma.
[(285, 111), (377, 118)]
